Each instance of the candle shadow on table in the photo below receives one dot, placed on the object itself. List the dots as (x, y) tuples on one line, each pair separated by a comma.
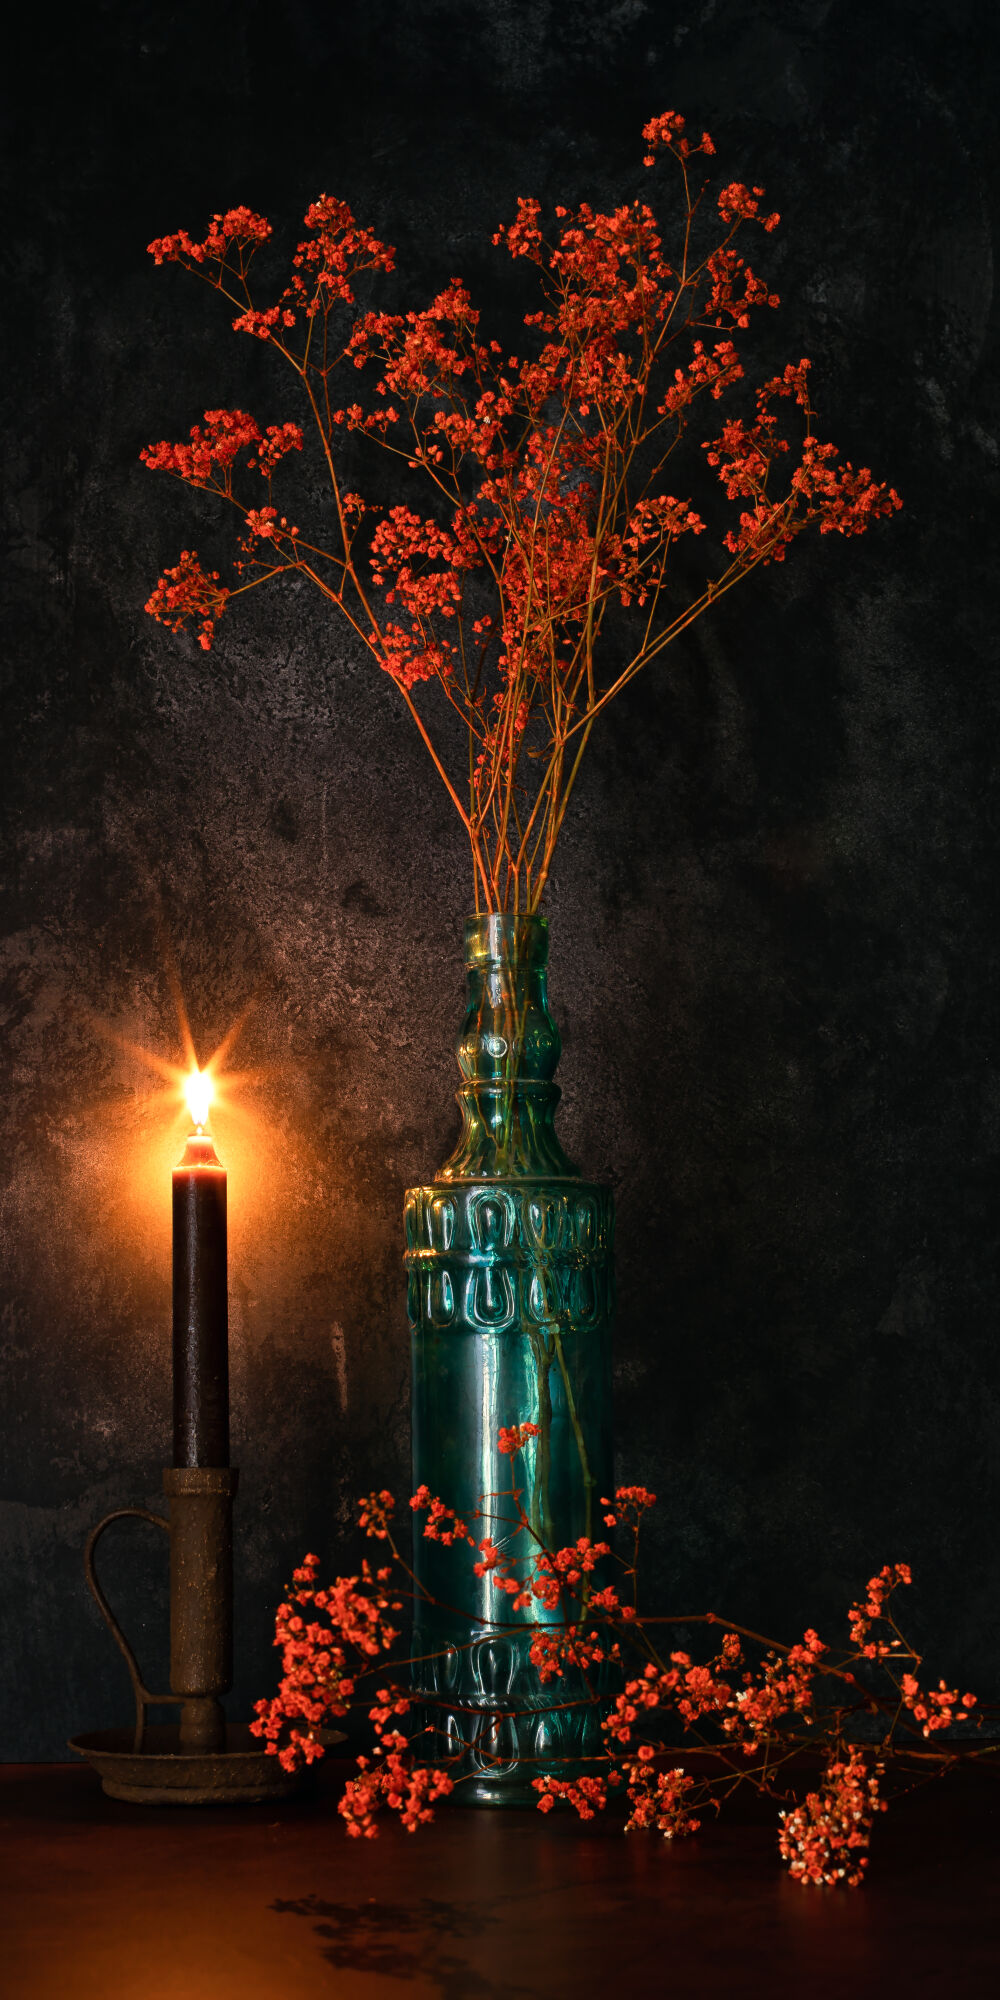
[(405, 1941)]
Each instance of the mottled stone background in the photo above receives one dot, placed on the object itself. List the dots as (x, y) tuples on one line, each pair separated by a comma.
[(773, 953)]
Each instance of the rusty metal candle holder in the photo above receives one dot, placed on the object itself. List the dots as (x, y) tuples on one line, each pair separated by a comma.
[(201, 1759)]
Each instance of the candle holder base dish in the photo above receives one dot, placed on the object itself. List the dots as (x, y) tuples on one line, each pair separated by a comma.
[(163, 1773), (201, 1759)]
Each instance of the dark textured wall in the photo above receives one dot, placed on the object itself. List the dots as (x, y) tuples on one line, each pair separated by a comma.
[(773, 956)]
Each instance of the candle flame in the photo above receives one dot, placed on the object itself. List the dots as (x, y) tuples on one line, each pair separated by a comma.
[(198, 1090)]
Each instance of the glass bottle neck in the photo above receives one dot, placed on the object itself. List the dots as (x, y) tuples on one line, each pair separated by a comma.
[(507, 1050)]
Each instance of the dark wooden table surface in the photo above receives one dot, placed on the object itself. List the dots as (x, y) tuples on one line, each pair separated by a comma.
[(103, 1901)]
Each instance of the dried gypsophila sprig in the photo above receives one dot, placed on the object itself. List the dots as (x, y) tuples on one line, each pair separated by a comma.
[(749, 1712), (548, 473)]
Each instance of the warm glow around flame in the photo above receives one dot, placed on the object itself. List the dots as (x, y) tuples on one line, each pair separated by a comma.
[(188, 1092), (198, 1090)]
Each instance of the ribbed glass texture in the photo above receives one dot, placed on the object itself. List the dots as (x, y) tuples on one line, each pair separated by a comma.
[(510, 1299)]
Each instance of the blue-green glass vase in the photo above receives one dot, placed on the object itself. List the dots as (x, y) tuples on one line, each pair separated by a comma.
[(510, 1300)]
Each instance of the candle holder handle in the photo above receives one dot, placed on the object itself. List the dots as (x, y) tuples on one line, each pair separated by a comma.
[(144, 1699), (201, 1759)]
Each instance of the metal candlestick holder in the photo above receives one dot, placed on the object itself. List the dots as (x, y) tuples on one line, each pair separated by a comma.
[(200, 1759)]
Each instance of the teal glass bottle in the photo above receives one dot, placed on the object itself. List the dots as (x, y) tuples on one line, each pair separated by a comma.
[(510, 1300)]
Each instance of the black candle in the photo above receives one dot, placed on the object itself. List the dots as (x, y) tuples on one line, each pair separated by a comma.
[(201, 1299)]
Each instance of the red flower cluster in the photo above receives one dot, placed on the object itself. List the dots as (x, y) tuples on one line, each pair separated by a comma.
[(328, 262), (423, 563), (587, 1795), (325, 265), (749, 1714), (641, 1696), (641, 555), (783, 1685), (410, 1789), (861, 1617), (189, 593), (936, 1708), (214, 449), (665, 133), (264, 524), (389, 1701), (514, 1440), (561, 1572), (825, 1840), (843, 502), (558, 1649), (239, 230), (554, 1576), (375, 1512), (713, 371), (442, 1524), (631, 1502), (408, 658), (737, 202), (332, 1638), (545, 471), (660, 1801), (318, 1674), (262, 324)]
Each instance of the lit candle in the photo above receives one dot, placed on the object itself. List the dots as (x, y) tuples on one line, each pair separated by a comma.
[(201, 1298)]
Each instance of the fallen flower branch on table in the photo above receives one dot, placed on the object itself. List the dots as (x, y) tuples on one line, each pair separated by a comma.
[(749, 1712)]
